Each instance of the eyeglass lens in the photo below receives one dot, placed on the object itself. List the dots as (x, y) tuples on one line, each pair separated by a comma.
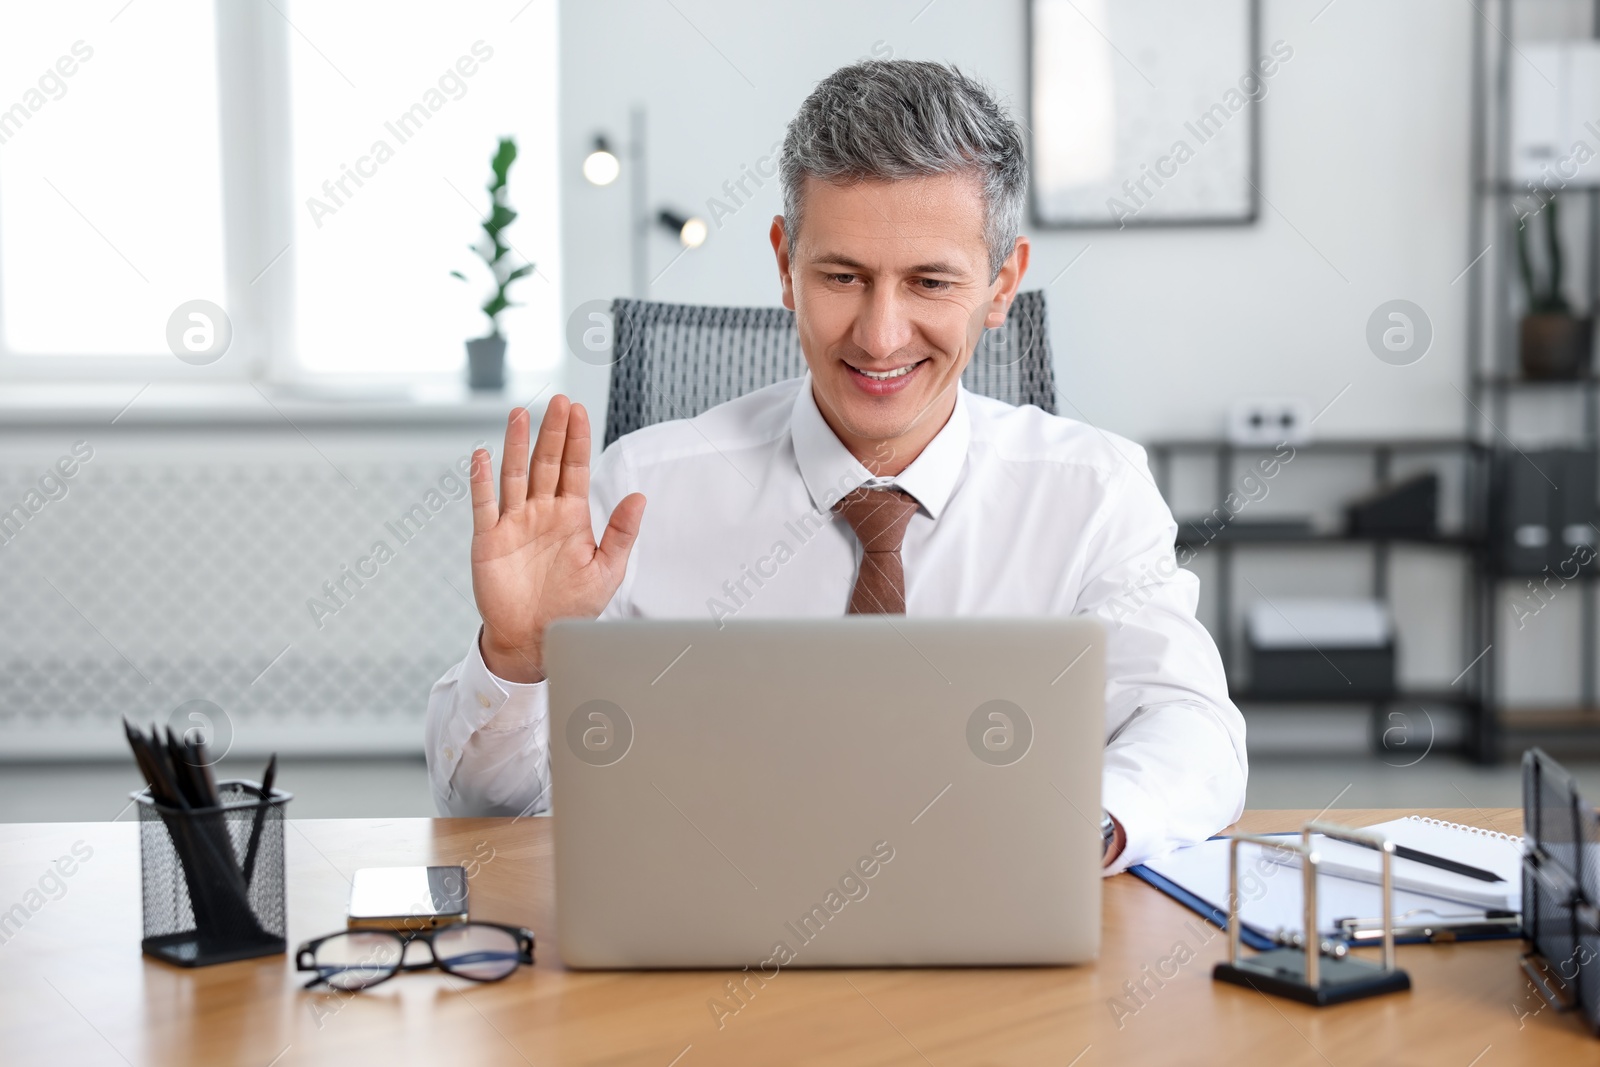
[(359, 958), (472, 950)]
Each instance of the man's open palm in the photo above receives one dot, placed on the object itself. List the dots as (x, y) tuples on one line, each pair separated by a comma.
[(534, 557)]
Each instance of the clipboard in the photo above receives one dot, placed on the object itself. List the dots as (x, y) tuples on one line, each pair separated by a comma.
[(1212, 914), (1474, 926)]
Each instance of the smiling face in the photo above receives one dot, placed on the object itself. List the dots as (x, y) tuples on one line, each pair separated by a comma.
[(889, 282)]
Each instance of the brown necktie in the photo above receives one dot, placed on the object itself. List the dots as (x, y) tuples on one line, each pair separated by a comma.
[(879, 517)]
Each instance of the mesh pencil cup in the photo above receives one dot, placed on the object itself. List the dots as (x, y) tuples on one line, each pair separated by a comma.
[(212, 878)]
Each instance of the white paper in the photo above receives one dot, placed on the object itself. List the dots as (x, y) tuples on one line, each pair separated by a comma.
[(1270, 897), (1492, 852)]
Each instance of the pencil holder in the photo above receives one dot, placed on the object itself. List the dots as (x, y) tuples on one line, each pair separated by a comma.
[(212, 878)]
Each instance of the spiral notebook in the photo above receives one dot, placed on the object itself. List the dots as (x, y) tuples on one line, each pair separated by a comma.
[(1489, 850)]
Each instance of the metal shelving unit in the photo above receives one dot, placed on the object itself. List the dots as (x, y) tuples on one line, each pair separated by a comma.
[(1478, 738), (1492, 341), (1493, 305)]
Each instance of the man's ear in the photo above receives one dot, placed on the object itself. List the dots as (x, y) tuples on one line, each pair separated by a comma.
[(780, 248), (1007, 282)]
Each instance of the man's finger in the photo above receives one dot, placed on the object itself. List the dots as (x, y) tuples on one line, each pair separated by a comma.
[(620, 533), (547, 449), (484, 513), (575, 455), (513, 463)]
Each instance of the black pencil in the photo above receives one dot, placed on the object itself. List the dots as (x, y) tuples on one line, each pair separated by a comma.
[(261, 817)]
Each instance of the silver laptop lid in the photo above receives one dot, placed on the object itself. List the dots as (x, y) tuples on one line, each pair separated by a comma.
[(866, 791)]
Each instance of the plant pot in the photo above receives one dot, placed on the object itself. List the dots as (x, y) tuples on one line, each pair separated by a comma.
[(1555, 346), (486, 362)]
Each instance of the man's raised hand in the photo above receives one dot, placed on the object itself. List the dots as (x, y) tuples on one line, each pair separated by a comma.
[(534, 557)]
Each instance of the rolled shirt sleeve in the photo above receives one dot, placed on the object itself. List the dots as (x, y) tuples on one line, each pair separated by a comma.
[(1175, 763)]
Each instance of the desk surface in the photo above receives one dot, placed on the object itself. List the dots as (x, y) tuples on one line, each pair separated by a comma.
[(74, 988)]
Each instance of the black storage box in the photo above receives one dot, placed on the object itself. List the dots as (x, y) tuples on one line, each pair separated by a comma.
[(1325, 674), (1409, 510), (1316, 649)]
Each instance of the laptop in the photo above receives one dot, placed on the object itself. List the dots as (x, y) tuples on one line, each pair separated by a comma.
[(858, 792)]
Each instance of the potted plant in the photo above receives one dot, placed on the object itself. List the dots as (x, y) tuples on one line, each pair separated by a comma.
[(486, 355), (1555, 342)]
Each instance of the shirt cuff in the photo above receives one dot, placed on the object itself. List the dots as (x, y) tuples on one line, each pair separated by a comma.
[(1141, 820), (484, 701)]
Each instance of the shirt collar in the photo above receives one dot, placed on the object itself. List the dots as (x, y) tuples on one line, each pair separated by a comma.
[(830, 471)]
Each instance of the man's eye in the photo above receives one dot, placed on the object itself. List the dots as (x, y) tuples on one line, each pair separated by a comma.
[(933, 285), (842, 279)]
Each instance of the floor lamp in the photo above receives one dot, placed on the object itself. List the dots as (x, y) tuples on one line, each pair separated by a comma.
[(602, 167)]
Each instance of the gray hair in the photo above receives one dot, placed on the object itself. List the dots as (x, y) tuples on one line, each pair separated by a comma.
[(902, 118)]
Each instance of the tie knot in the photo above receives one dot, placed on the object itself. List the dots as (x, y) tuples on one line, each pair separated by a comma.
[(878, 516)]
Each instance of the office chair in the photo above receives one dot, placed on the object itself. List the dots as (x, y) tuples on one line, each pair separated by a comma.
[(674, 361)]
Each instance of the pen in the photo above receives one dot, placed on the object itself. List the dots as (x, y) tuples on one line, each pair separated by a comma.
[(1418, 856), (1446, 864), (1442, 928)]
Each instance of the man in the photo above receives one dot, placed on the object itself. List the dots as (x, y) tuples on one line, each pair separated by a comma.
[(903, 186)]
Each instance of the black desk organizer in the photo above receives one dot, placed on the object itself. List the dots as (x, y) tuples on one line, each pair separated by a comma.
[(208, 895), (1561, 889)]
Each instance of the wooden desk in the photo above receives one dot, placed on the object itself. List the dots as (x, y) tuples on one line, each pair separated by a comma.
[(75, 990)]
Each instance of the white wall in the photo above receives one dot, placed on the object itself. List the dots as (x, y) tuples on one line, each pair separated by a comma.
[(1364, 156), (1364, 179)]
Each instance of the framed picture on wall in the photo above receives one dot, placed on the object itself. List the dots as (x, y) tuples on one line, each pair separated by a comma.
[(1145, 112)]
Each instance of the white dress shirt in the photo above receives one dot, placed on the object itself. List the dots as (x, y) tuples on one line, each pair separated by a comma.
[(1022, 513)]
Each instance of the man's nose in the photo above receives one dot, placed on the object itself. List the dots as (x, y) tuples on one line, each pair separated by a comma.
[(884, 325)]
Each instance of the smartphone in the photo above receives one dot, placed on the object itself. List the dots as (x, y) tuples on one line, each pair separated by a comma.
[(407, 898)]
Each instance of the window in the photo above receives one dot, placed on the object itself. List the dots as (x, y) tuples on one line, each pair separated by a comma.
[(391, 160), (317, 170), (110, 189)]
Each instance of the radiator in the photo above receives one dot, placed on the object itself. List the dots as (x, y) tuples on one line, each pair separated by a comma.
[(280, 590)]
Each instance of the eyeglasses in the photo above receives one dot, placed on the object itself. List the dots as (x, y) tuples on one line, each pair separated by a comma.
[(359, 959)]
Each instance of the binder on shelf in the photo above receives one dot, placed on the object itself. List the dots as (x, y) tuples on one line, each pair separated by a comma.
[(1542, 512), (1555, 91), (1574, 506)]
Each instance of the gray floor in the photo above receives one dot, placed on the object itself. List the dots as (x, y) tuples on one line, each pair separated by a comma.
[(377, 788), (1438, 781)]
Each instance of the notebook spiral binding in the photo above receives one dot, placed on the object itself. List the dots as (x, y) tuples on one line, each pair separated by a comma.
[(1560, 889), (1479, 831)]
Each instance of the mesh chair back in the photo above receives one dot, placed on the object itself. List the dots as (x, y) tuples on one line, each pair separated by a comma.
[(673, 361)]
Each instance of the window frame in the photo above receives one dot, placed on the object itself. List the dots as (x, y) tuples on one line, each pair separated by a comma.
[(254, 103), (252, 110)]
